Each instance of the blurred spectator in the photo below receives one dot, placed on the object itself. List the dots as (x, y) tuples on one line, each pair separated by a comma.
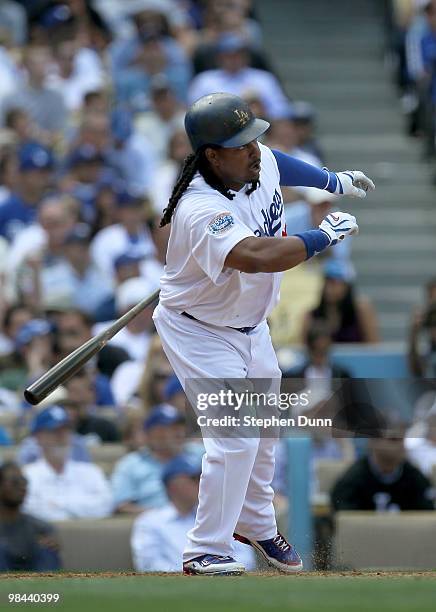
[(125, 266), (424, 327), (383, 480), (318, 362), (26, 543), (235, 76), (224, 17), (132, 85), (136, 479), (9, 73), (174, 394), (158, 536), (8, 171), (421, 450), (14, 317), (37, 268), (131, 233), (165, 115), (349, 319), (5, 438), (20, 208), (44, 106), (61, 488), (156, 373), (133, 434), (13, 22), (52, 419), (81, 407), (285, 136), (135, 337), (168, 171), (131, 155), (78, 71), (33, 355), (73, 328), (304, 120)]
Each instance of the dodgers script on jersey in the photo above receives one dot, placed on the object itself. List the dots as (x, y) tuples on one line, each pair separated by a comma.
[(205, 227)]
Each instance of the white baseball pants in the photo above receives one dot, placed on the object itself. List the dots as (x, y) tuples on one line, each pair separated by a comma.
[(235, 487)]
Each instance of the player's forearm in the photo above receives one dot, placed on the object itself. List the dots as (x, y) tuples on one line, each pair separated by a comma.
[(255, 255)]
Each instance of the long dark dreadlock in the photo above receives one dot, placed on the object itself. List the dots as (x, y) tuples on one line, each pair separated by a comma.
[(193, 163)]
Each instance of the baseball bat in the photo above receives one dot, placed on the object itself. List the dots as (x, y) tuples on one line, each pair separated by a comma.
[(73, 362)]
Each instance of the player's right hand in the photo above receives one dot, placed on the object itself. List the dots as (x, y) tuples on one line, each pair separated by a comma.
[(338, 225)]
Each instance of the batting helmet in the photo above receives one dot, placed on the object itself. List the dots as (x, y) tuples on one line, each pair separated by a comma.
[(224, 120)]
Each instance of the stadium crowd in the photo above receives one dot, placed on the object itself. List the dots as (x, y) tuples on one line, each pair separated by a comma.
[(92, 105)]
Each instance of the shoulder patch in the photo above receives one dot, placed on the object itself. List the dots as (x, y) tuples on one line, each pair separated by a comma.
[(220, 224)]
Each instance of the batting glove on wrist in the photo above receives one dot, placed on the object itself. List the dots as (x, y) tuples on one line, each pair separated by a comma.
[(338, 225), (353, 183)]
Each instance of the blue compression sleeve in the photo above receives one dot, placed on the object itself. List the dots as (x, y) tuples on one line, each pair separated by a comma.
[(296, 173), (315, 241)]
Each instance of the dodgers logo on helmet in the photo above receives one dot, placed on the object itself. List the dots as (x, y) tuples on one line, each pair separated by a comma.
[(220, 224)]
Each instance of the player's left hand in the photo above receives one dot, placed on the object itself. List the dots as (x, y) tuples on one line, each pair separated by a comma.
[(353, 183)]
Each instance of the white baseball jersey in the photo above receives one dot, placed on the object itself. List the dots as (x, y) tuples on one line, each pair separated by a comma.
[(205, 227)]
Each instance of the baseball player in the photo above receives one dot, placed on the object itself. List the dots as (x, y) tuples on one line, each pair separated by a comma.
[(227, 250)]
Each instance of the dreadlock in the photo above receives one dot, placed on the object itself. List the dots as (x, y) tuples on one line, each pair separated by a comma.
[(193, 163)]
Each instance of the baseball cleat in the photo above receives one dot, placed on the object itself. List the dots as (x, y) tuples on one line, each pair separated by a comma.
[(277, 552), (213, 565)]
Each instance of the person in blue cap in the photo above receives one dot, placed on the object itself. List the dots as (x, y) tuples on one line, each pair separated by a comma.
[(136, 479), (158, 536), (35, 165)]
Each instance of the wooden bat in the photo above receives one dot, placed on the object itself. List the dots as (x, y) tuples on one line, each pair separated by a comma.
[(72, 363)]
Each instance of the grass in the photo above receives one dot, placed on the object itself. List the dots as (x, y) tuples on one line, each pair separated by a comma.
[(331, 593)]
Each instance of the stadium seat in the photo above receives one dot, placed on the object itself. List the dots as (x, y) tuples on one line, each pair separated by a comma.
[(327, 472), (96, 545), (369, 540)]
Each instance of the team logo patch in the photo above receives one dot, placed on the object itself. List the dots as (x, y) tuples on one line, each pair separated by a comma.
[(220, 224)]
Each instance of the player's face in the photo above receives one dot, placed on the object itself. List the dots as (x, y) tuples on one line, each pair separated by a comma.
[(236, 166)]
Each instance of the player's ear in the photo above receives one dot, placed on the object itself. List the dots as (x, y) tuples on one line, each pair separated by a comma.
[(211, 156)]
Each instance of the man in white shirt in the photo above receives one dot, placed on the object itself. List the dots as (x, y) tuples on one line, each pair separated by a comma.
[(58, 487), (159, 536)]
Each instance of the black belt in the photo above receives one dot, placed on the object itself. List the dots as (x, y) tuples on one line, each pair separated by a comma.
[(243, 330)]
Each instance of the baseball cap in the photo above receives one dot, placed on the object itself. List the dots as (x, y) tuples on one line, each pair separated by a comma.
[(339, 270), (229, 42), (49, 419), (34, 156), (85, 153), (172, 387), (133, 291), (163, 414), (30, 330), (180, 466), (127, 258), (127, 199)]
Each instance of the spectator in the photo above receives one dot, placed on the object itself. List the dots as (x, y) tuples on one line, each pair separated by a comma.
[(318, 362), (421, 450), (73, 328), (349, 319), (131, 233), (136, 479), (84, 417), (424, 324), (155, 377), (174, 394), (158, 536), (26, 543), (34, 354), (165, 115), (132, 85), (61, 488), (285, 136), (13, 22), (383, 480), (8, 172), (30, 448), (168, 171), (44, 106), (14, 317), (131, 155), (135, 337), (19, 210), (235, 76)]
